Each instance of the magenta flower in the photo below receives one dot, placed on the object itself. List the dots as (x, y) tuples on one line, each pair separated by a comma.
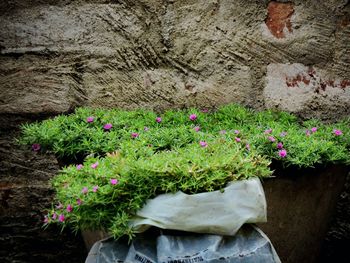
[(61, 218), (94, 165), (236, 131), (313, 129), (79, 202), (271, 139), (90, 119), (203, 144), (134, 135), (280, 146), (193, 117), (222, 132), (46, 220), (95, 188), (159, 119), (238, 139), (146, 129), (268, 131), (54, 216), (107, 126), (247, 146), (282, 153), (282, 134), (114, 181), (307, 133), (85, 190), (337, 132), (69, 208), (59, 206), (79, 166), (36, 147), (197, 128), (204, 110)]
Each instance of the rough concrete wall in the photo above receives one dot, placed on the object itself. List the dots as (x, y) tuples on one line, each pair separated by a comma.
[(337, 243), (56, 55), (59, 54), (25, 194)]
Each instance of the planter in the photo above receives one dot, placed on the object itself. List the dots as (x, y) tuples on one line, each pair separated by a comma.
[(209, 212), (92, 236), (300, 204)]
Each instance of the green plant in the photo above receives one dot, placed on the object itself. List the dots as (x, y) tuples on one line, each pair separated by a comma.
[(136, 155), (96, 200), (72, 136)]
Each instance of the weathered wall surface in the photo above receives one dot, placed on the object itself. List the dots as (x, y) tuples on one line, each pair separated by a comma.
[(25, 194), (59, 54), (291, 55)]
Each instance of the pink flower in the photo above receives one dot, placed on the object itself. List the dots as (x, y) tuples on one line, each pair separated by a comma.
[(46, 220), (268, 131), (79, 202), (95, 188), (307, 133), (337, 132), (204, 110), (159, 119), (193, 117), (61, 218), (107, 126), (282, 134), (59, 206), (280, 146), (85, 190), (247, 146), (79, 166), (237, 139), (236, 131), (146, 129), (114, 181), (271, 139), (36, 147), (134, 135), (69, 208), (94, 165), (90, 119), (222, 132), (203, 144), (197, 128), (282, 153), (313, 129), (54, 216)]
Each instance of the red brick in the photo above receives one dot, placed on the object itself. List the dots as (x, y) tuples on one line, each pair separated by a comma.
[(278, 18)]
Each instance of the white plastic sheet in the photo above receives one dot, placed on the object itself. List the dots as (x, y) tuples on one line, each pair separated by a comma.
[(249, 245), (221, 213)]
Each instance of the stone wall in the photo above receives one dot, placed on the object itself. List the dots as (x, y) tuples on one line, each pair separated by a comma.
[(56, 55), (25, 194)]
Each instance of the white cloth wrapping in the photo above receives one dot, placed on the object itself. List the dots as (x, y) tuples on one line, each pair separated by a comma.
[(217, 212)]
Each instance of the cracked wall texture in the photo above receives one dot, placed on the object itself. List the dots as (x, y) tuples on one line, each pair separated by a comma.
[(56, 55)]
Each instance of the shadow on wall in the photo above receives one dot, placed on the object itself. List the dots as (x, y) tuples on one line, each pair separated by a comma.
[(25, 194)]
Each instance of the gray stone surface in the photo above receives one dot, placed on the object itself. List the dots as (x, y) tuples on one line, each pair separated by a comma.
[(56, 55), (25, 195), (307, 90)]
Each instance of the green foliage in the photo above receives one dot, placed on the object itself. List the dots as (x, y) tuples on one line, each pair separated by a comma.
[(191, 169), (149, 158), (72, 136)]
